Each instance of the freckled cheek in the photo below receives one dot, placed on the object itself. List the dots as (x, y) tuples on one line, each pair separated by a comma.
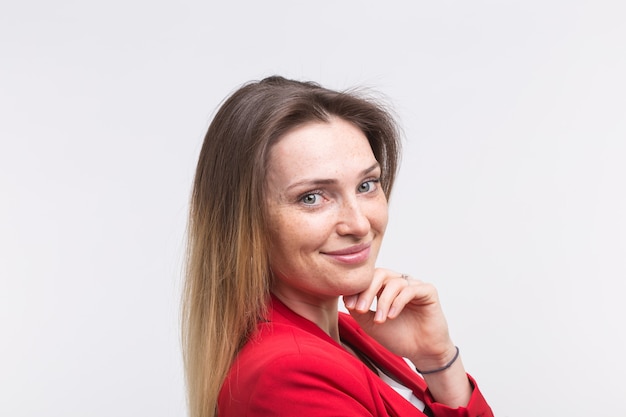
[(379, 215), (310, 235), (307, 235), (291, 234)]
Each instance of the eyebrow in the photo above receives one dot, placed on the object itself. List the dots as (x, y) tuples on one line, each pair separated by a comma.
[(329, 180)]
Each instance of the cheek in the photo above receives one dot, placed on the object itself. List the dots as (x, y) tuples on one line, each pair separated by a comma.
[(384, 219), (379, 215), (298, 232), (283, 230), (306, 234)]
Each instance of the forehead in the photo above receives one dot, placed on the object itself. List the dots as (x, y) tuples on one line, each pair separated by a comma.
[(326, 145)]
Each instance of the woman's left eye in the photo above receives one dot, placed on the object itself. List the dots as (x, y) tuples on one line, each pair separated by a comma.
[(368, 186)]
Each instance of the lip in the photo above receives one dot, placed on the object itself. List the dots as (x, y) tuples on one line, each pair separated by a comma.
[(351, 255)]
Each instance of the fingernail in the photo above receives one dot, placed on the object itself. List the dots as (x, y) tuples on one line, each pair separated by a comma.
[(362, 306), (349, 301), (379, 317)]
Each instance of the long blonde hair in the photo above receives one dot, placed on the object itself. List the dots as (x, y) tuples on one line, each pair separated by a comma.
[(228, 278)]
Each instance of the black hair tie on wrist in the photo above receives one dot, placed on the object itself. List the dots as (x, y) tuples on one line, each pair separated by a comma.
[(443, 368)]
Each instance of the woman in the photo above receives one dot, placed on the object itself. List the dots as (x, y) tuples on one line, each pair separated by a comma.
[(288, 212)]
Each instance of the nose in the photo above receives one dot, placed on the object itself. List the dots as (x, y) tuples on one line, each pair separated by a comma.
[(353, 220)]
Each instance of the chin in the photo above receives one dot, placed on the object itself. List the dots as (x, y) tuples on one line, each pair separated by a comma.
[(356, 286)]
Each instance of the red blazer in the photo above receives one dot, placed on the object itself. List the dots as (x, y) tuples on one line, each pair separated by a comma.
[(291, 367)]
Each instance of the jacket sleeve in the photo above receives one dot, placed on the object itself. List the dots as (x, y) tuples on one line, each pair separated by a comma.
[(477, 406)]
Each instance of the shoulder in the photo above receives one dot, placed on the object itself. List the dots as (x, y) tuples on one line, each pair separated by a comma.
[(280, 345), (284, 365)]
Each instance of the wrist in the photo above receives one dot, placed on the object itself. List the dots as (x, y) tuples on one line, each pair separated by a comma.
[(426, 366)]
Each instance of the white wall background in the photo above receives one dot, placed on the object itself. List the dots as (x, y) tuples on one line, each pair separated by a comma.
[(511, 198)]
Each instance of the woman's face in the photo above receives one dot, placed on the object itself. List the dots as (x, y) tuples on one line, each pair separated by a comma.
[(327, 211)]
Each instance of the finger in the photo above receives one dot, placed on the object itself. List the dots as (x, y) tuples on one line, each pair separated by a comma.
[(366, 298), (386, 298), (417, 293), (350, 301)]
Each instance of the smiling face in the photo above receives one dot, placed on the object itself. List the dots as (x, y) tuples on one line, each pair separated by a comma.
[(327, 212)]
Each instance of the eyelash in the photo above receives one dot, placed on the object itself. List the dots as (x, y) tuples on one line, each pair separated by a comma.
[(317, 193), (376, 181), (320, 193)]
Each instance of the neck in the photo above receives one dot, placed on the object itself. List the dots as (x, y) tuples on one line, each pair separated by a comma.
[(323, 312)]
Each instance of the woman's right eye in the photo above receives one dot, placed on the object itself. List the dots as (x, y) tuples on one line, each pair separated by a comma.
[(310, 199)]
